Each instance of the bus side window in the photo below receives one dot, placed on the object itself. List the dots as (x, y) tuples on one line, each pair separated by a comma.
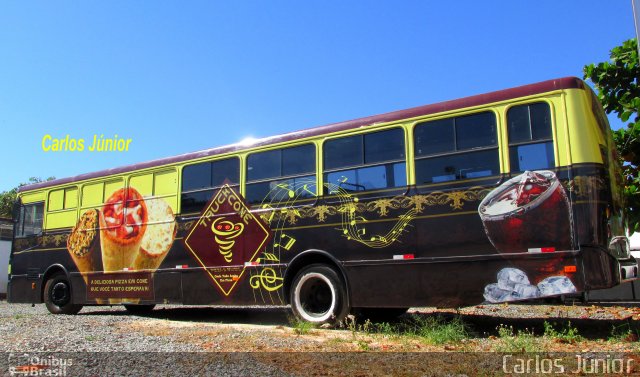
[(530, 137), (62, 208), (155, 187), (456, 148), (95, 195), (29, 220), (281, 175), (200, 182), (371, 161)]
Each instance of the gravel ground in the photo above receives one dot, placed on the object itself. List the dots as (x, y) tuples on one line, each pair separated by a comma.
[(179, 340), (32, 329), (100, 341)]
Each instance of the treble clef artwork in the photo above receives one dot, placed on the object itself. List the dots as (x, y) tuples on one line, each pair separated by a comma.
[(267, 279)]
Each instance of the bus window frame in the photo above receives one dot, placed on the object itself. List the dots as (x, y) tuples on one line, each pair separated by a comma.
[(306, 201), (234, 185), (124, 180), (19, 222), (154, 195), (64, 199), (552, 139), (497, 147), (376, 192)]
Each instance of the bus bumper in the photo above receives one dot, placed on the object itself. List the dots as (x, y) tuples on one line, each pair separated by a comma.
[(628, 270)]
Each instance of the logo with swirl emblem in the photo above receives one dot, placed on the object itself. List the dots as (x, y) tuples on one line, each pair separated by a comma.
[(225, 237)]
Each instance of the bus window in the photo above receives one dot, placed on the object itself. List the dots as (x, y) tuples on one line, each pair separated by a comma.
[(61, 208), (365, 162), (281, 175), (29, 220), (530, 137), (200, 181), (456, 148), (155, 186)]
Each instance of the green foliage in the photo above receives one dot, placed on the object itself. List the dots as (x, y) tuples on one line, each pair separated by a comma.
[(8, 198), (623, 333), (514, 342), (566, 335), (431, 330), (616, 82), (301, 327), (435, 330)]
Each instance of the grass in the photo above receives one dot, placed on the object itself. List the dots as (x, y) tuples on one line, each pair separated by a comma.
[(431, 330), (623, 333), (301, 327), (520, 341), (435, 330), (451, 331), (568, 334)]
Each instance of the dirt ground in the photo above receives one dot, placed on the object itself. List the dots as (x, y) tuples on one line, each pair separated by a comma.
[(366, 348), (597, 329), (503, 339)]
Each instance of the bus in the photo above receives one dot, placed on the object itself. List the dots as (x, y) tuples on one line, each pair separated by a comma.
[(506, 196)]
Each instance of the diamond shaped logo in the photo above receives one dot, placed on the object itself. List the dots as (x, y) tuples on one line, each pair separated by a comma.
[(225, 237)]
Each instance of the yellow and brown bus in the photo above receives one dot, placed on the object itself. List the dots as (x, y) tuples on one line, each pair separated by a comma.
[(506, 196)]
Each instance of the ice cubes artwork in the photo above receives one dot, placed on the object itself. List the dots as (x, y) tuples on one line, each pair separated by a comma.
[(556, 285), (513, 284)]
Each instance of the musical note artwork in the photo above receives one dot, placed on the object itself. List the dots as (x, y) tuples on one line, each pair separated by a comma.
[(286, 242), (376, 223), (281, 206), (354, 227)]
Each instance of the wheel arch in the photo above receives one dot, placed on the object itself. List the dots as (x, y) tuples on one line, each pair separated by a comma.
[(309, 257), (49, 272)]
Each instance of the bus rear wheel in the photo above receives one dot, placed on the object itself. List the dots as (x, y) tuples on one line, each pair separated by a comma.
[(57, 295), (318, 295)]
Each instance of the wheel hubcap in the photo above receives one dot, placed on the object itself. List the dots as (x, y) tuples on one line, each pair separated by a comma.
[(316, 298), (60, 294)]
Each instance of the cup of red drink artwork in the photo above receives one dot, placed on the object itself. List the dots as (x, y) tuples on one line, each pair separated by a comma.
[(528, 213)]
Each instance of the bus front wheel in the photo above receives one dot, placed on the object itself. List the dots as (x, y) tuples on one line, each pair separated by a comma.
[(318, 295), (58, 297)]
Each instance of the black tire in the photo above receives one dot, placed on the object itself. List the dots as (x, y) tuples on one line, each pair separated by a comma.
[(139, 309), (318, 295), (58, 295)]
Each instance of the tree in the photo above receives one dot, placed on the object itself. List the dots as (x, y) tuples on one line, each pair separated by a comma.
[(616, 82), (8, 198)]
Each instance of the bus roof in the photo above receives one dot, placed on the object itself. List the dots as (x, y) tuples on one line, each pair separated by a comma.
[(477, 100)]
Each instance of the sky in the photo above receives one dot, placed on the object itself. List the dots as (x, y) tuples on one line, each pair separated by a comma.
[(176, 77)]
